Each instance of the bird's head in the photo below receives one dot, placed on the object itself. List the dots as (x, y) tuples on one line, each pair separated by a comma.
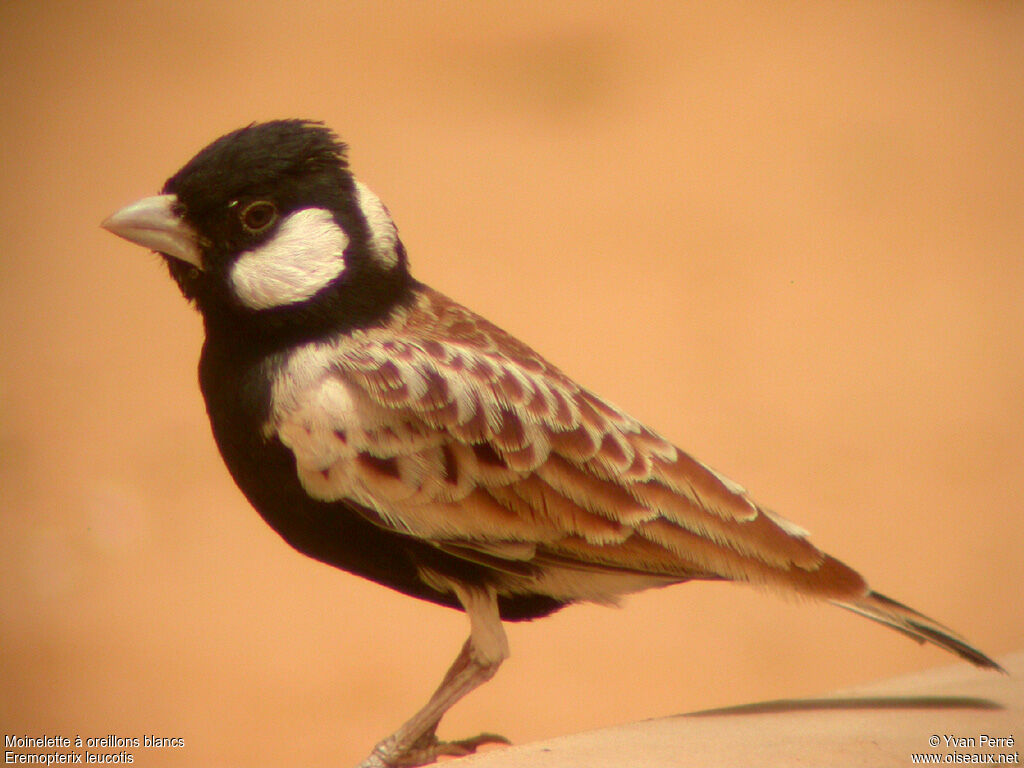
[(266, 230)]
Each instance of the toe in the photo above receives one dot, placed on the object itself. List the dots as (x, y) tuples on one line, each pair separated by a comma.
[(424, 753)]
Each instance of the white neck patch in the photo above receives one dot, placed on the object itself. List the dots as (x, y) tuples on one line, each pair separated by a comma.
[(304, 255), (383, 233)]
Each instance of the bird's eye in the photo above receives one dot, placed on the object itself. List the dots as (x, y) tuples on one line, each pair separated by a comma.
[(257, 217)]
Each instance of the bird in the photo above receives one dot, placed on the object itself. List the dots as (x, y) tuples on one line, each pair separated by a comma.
[(383, 428)]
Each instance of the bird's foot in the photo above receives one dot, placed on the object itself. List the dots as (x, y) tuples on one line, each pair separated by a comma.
[(427, 750)]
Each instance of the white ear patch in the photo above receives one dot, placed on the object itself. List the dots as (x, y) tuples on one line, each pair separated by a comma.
[(383, 233), (304, 255)]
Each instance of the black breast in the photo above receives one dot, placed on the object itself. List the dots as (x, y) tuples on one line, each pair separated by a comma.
[(236, 385)]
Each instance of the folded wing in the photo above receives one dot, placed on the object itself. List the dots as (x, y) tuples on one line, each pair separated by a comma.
[(454, 432)]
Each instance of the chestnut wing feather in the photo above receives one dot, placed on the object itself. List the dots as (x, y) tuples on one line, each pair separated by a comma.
[(455, 432)]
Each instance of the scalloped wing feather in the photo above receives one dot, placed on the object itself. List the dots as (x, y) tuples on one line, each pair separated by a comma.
[(455, 432)]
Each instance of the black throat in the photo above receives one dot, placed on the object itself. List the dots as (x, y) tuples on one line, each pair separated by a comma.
[(365, 297)]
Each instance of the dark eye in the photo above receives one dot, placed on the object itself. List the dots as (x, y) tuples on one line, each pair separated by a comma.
[(257, 217)]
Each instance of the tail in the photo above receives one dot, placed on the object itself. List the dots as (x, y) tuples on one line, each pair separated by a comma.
[(917, 626)]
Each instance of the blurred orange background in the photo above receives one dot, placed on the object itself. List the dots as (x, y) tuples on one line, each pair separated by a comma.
[(787, 235)]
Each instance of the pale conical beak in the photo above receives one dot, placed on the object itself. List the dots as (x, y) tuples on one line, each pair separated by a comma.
[(153, 223)]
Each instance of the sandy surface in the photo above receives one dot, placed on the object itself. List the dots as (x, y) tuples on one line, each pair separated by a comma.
[(958, 711)]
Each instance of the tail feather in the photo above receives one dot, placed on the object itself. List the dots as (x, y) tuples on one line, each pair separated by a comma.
[(892, 614)]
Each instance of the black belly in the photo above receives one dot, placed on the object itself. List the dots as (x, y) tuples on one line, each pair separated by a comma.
[(335, 533)]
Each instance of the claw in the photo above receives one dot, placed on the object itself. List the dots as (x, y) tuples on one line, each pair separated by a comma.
[(428, 749)]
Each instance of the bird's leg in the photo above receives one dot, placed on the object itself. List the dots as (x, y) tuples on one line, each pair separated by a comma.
[(415, 742)]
